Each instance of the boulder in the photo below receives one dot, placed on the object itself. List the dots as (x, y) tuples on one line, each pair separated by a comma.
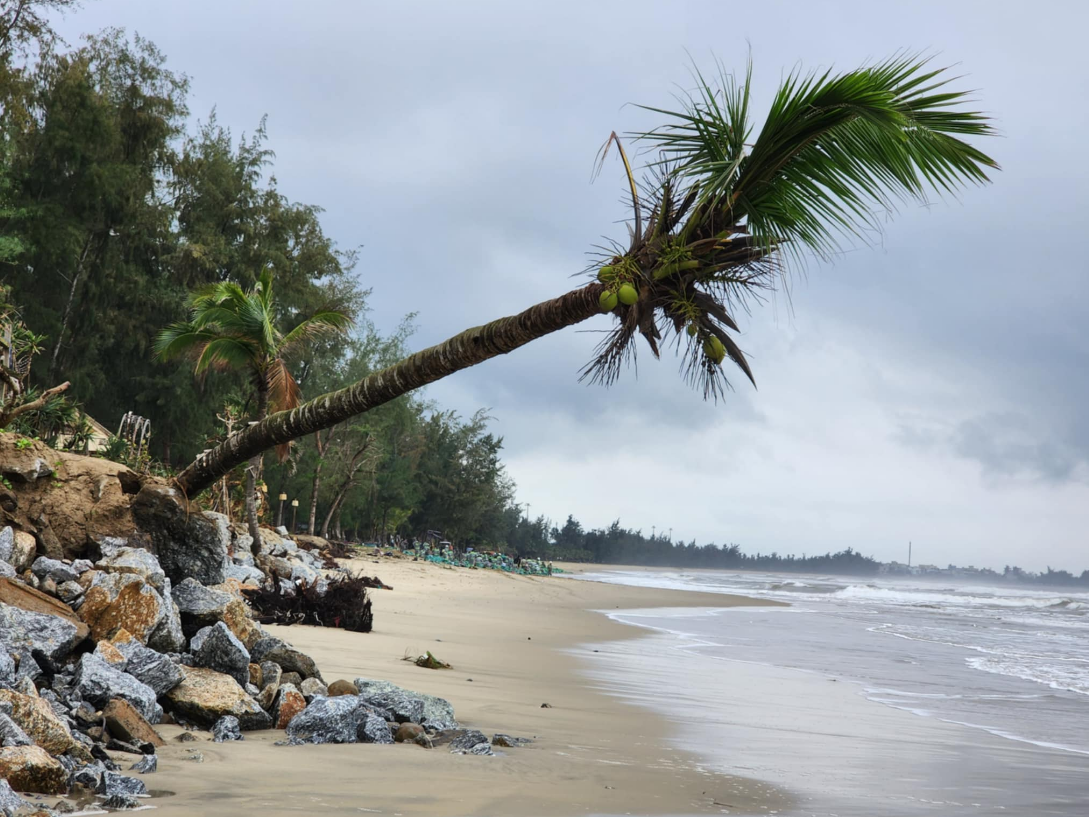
[(58, 571), (404, 708), (271, 673), (338, 720), (122, 600), (255, 675), (35, 717), (236, 615), (150, 667), (7, 571), (341, 687), (205, 696), (7, 668), (112, 783), (98, 683), (22, 552), (126, 723), (10, 802), (410, 733), (312, 687), (11, 734), (245, 574), (31, 620), (121, 802), (226, 729), (508, 741), (199, 606), (288, 703), (438, 714), (471, 742), (148, 764), (189, 543), (292, 678), (68, 592), (135, 561), (30, 768), (221, 651), (289, 659), (169, 635), (7, 543)]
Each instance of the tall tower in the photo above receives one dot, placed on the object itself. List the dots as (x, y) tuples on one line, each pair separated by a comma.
[(909, 554)]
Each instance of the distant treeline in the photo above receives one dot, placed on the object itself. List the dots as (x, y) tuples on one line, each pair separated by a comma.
[(618, 545)]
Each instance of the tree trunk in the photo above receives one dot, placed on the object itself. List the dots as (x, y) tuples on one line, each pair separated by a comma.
[(253, 469), (345, 484), (471, 347), (68, 306), (311, 526)]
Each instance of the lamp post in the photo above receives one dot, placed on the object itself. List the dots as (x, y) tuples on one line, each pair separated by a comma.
[(294, 510), (280, 514)]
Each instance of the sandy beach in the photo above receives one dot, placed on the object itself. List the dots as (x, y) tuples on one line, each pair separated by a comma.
[(514, 643)]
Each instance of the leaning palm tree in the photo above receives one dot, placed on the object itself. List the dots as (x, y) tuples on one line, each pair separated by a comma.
[(720, 216), (230, 328)]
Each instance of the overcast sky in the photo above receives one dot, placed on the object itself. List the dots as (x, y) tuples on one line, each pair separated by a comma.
[(933, 388)]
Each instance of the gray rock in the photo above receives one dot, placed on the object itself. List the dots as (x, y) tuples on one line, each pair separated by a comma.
[(7, 668), (110, 545), (245, 574), (81, 566), (151, 667), (471, 742), (112, 783), (10, 802), (97, 682), (508, 742), (271, 672), (10, 732), (220, 650), (69, 591), (333, 720), (438, 713), (147, 765), (227, 729), (168, 636), (7, 543), (24, 630), (56, 570), (121, 802), (137, 561), (199, 606), (189, 543), (374, 729), (290, 659), (404, 708), (312, 688), (7, 571), (88, 775)]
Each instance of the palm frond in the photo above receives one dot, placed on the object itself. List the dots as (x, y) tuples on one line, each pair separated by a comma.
[(227, 353), (320, 324)]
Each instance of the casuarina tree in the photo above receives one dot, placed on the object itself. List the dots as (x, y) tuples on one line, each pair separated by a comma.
[(723, 210), (232, 328)]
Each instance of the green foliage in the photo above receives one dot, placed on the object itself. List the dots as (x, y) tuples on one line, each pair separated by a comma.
[(23, 443)]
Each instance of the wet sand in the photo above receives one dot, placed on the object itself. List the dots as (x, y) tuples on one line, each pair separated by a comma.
[(515, 642)]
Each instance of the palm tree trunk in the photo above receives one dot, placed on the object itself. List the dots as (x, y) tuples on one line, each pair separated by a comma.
[(471, 347), (253, 469)]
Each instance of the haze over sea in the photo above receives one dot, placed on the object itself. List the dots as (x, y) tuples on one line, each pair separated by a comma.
[(872, 697)]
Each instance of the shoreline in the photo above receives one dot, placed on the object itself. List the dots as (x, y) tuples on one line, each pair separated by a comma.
[(523, 641)]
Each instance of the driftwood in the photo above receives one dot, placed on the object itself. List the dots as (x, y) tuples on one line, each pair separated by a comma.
[(344, 604)]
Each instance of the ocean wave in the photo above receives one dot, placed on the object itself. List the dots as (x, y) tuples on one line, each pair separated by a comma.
[(945, 598), (1070, 676)]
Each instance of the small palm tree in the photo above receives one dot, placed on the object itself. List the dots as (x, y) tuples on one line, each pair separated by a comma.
[(230, 328), (721, 214)]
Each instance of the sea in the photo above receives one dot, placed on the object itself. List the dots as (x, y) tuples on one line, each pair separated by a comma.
[(869, 696)]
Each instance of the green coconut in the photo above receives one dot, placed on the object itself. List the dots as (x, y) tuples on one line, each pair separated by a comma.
[(692, 329), (628, 294), (713, 348), (607, 301), (604, 274)]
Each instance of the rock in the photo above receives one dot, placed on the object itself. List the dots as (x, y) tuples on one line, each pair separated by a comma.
[(287, 703), (111, 655), (10, 802), (116, 745), (11, 734), (471, 742), (52, 568), (35, 717), (312, 687), (122, 600), (205, 696), (148, 765), (88, 776), (222, 651), (23, 551), (112, 783), (373, 729), (438, 714), (271, 673), (185, 737), (98, 683), (332, 720), (255, 675), (169, 635), (245, 574), (198, 605), (121, 802), (226, 729), (508, 742), (64, 807), (30, 768), (150, 667), (7, 543), (81, 566), (29, 619), (69, 591), (189, 543), (409, 733), (292, 678), (342, 687), (236, 615), (195, 756), (125, 723), (291, 660), (7, 571), (404, 708), (135, 561)]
